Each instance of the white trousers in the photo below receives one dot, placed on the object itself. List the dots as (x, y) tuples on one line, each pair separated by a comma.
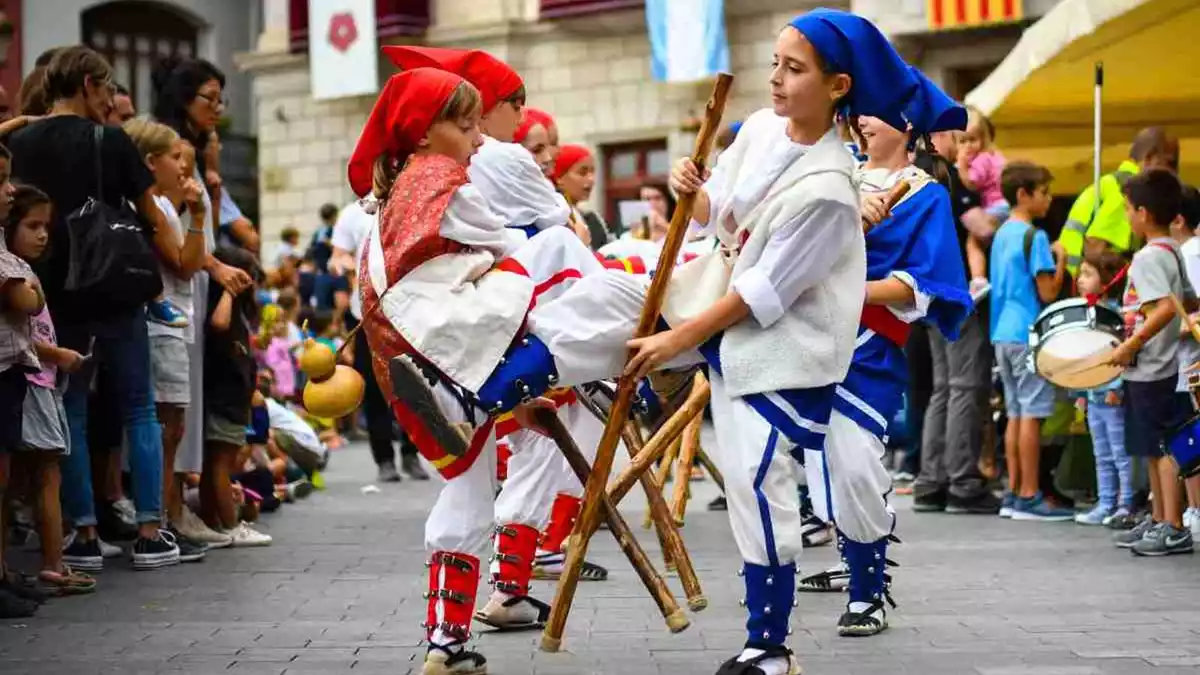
[(848, 483)]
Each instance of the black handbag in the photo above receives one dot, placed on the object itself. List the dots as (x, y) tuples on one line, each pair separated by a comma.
[(112, 267)]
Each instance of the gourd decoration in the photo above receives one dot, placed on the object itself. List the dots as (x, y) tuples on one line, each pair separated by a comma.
[(333, 390)]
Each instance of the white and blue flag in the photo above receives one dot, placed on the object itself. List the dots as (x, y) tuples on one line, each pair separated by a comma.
[(687, 39)]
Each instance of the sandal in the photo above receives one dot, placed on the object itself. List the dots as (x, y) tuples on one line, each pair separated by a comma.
[(68, 581)]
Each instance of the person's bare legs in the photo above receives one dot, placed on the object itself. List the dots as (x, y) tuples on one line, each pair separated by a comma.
[(1168, 500), (49, 510), (216, 487), (171, 417), (1192, 485), (1030, 452), (1012, 455)]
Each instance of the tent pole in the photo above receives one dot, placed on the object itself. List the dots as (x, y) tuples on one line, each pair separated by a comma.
[(1099, 147)]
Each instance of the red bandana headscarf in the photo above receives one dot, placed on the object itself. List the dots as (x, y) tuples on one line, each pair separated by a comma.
[(494, 79), (530, 117), (569, 156), (407, 106)]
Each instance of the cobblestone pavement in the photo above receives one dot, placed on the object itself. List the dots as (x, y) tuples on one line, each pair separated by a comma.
[(340, 592)]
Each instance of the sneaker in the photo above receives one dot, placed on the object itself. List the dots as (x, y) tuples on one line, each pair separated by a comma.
[(195, 529), (1036, 508), (245, 536), (718, 504), (1097, 516), (189, 549), (166, 313), (300, 489), (84, 555), (1191, 520), (903, 477), (388, 473), (1166, 539), (983, 504), (110, 550), (110, 524), (1007, 502), (125, 510), (151, 554), (929, 502), (1121, 519), (815, 532), (833, 580), (1132, 536), (411, 465)]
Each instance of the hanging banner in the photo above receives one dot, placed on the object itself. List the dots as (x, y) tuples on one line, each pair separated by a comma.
[(343, 56), (955, 14), (687, 39)]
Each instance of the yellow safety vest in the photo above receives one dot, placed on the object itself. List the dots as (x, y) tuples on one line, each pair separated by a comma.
[(1106, 221)]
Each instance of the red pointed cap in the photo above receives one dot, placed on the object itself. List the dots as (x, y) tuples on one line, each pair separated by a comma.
[(406, 108), (530, 117), (569, 156), (494, 79)]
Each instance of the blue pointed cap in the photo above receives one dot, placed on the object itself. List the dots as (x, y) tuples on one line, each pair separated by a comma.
[(932, 110), (882, 83)]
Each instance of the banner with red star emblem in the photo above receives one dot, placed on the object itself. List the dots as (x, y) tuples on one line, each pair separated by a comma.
[(342, 50)]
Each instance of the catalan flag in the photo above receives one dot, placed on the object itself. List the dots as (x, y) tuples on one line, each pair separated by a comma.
[(955, 14)]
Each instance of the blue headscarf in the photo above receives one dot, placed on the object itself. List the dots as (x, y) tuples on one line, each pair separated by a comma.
[(735, 127), (881, 81), (932, 110)]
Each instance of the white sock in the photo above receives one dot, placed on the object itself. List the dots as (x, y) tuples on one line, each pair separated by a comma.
[(859, 607), (442, 639), (774, 666)]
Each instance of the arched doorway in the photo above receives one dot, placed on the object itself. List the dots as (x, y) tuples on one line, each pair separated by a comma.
[(134, 35)]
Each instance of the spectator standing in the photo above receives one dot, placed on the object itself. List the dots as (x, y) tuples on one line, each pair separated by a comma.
[(951, 433), (1020, 284), (122, 108), (58, 155), (189, 98), (321, 247), (1154, 407), (1184, 232), (350, 235), (1098, 223)]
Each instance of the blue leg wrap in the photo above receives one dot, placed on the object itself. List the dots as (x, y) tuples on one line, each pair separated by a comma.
[(770, 594)]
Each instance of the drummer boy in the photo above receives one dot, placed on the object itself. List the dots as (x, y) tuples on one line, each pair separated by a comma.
[(1024, 275), (1153, 407)]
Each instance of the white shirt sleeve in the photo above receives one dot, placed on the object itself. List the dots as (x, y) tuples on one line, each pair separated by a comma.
[(797, 257), (469, 220), (350, 230), (921, 301), (515, 188)]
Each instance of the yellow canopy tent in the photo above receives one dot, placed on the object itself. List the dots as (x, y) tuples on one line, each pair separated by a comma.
[(1041, 96)]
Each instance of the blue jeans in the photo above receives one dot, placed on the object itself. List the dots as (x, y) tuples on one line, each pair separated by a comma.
[(1114, 469), (123, 346)]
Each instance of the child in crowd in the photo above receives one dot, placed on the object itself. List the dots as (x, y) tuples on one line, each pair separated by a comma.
[(229, 384), (21, 299), (1184, 232), (289, 248), (1105, 414), (1020, 283), (1153, 405), (980, 166), (44, 435)]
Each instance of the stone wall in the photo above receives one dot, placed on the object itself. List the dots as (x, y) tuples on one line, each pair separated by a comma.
[(595, 79)]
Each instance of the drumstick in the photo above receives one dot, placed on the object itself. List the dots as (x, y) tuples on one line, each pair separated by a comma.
[(893, 197), (1183, 314)]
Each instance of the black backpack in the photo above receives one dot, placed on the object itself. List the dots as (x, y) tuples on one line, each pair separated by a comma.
[(111, 264)]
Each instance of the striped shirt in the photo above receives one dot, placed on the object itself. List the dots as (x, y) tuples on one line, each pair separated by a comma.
[(16, 347)]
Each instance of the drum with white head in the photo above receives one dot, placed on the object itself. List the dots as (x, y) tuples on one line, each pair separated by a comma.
[(1072, 341)]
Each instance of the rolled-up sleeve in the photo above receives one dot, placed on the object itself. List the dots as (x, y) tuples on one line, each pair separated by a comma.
[(797, 256), (921, 301)]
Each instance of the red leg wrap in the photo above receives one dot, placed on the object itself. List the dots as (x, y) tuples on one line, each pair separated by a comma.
[(515, 547), (562, 520), (453, 582)]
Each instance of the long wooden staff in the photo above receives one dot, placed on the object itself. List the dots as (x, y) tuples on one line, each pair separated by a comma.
[(602, 466), (675, 617), (683, 471)]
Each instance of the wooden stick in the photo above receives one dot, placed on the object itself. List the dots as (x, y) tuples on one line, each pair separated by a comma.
[(661, 474), (675, 617), (893, 197), (589, 517), (1185, 317), (711, 468), (683, 470)]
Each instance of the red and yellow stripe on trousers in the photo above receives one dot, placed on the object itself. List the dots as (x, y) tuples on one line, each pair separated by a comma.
[(955, 14), (506, 423)]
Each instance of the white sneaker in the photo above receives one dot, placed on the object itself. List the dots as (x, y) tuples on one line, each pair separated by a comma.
[(125, 510), (192, 527), (244, 535), (1191, 521)]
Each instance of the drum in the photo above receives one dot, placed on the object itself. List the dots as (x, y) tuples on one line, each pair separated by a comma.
[(1071, 341), (1184, 446)]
